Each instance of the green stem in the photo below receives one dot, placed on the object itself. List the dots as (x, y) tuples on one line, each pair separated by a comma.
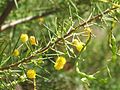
[(34, 82)]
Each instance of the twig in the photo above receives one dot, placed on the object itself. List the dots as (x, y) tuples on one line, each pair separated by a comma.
[(29, 18), (59, 39), (7, 10)]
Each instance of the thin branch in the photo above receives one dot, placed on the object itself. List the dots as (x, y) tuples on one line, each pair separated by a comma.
[(29, 18), (59, 39), (7, 10), (23, 20)]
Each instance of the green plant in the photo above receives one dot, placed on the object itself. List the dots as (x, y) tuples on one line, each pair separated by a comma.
[(78, 38)]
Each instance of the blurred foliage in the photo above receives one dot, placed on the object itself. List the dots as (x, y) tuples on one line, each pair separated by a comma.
[(98, 70)]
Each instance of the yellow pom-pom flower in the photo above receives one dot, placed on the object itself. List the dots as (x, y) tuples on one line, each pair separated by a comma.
[(31, 73), (33, 40), (79, 45), (60, 62), (24, 38), (16, 52)]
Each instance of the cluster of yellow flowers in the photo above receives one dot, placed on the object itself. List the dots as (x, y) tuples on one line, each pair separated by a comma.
[(31, 74), (24, 38), (60, 62), (78, 44)]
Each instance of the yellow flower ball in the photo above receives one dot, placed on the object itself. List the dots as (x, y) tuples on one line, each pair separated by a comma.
[(33, 40), (24, 38), (31, 73), (60, 62), (79, 45), (16, 52)]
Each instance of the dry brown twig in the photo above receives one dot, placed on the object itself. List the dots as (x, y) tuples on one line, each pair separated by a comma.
[(29, 18), (57, 40), (10, 5)]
